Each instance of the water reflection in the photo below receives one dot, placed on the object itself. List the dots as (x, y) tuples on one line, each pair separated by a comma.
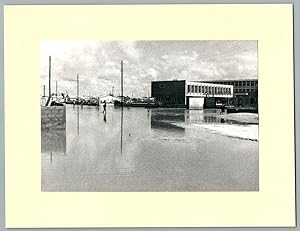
[(135, 149), (171, 119), (121, 130), (172, 115), (78, 120), (167, 126), (53, 141), (104, 117)]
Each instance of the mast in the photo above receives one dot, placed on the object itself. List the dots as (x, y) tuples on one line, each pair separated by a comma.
[(56, 87), (77, 87), (49, 76), (122, 82)]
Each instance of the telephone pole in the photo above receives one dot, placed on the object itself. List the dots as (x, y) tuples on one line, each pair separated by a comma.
[(49, 76), (77, 87), (56, 87), (122, 82)]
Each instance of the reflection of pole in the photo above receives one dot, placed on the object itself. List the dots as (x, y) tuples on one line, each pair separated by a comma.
[(121, 129), (49, 76), (77, 120), (77, 87)]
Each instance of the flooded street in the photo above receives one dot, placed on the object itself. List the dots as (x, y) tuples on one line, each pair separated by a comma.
[(135, 149)]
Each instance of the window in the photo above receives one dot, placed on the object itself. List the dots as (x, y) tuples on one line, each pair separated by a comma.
[(202, 89), (189, 88), (193, 88)]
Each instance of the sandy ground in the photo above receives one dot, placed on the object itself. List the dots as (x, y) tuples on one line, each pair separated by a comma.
[(247, 132), (244, 126), (249, 118)]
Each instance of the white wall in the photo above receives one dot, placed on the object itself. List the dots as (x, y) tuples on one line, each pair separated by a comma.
[(196, 103)]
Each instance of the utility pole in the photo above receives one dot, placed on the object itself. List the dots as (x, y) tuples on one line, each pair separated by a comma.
[(44, 90), (112, 91), (49, 76), (122, 101), (122, 82), (49, 97), (77, 87), (56, 87)]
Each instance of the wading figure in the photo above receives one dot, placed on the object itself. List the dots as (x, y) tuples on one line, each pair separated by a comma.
[(222, 109), (104, 107)]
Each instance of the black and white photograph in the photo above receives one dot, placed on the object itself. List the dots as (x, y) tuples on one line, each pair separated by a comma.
[(149, 115)]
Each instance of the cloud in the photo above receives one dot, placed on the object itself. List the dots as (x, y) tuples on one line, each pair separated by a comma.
[(98, 63)]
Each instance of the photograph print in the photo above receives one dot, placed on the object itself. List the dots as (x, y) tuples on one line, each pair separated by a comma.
[(149, 116)]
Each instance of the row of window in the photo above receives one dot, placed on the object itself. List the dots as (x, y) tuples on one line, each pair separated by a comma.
[(167, 99), (244, 90), (209, 90), (244, 87), (239, 83)]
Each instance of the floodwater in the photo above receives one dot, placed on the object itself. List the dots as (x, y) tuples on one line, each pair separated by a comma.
[(135, 150)]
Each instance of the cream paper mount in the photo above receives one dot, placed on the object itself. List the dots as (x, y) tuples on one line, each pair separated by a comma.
[(27, 26)]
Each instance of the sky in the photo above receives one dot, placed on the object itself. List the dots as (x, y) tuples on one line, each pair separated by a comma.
[(98, 64)]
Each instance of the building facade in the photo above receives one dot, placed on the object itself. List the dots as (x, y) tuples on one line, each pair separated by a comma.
[(189, 94), (245, 92)]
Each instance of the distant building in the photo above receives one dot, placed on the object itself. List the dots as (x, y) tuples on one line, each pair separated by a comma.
[(245, 91), (189, 94)]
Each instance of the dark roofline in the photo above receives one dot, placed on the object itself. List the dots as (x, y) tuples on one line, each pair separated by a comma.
[(207, 81), (180, 80), (224, 80)]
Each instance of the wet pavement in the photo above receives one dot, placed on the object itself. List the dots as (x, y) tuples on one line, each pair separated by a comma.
[(135, 149)]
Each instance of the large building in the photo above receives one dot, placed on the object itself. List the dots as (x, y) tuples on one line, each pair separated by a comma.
[(245, 92), (189, 94)]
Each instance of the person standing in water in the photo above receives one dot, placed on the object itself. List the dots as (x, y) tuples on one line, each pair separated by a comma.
[(104, 107)]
